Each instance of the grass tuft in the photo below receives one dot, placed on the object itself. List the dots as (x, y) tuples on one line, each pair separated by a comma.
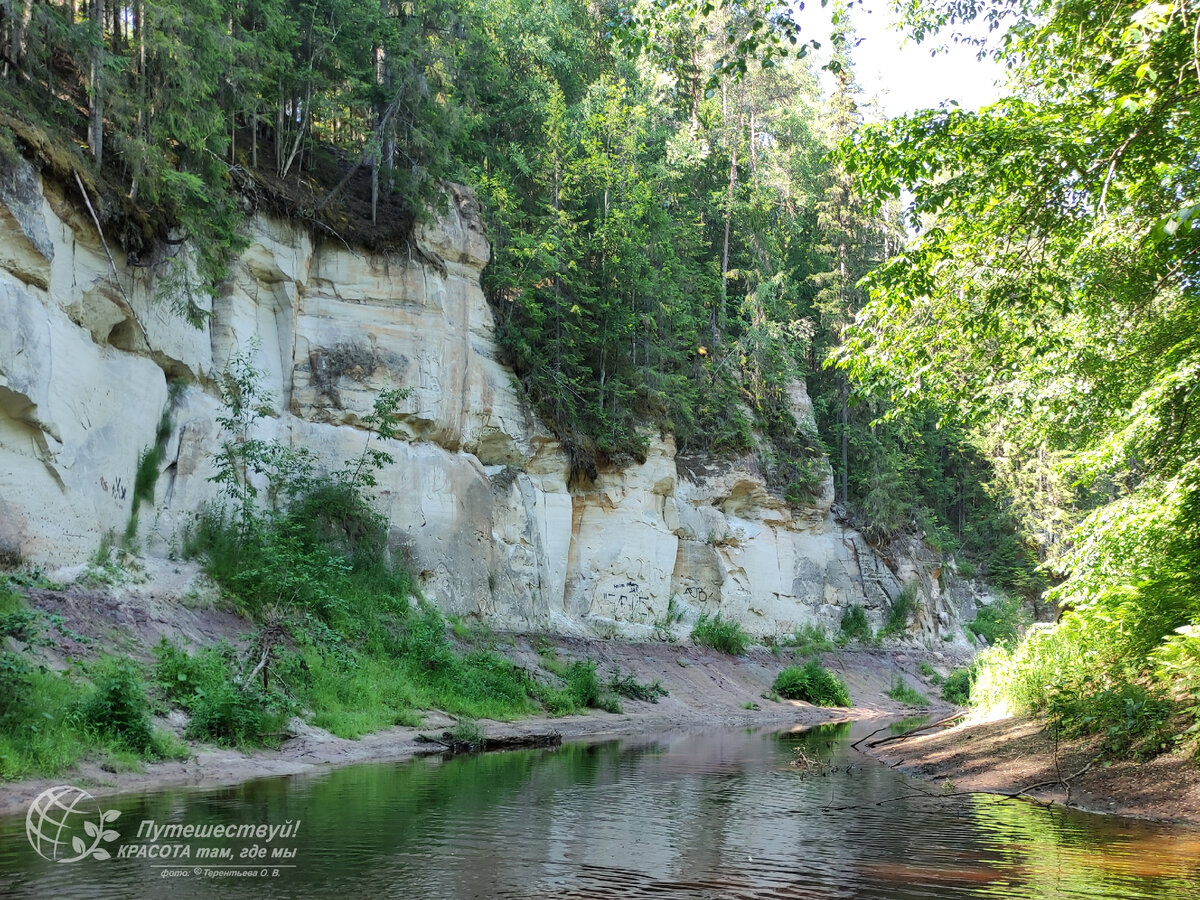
[(721, 634)]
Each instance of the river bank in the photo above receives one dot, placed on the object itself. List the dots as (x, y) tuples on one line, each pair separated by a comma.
[(1021, 754), (706, 689)]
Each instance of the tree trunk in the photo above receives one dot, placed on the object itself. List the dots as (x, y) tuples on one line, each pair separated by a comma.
[(96, 113), (845, 473)]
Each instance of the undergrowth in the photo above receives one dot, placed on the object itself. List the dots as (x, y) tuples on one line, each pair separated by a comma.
[(50, 720), (812, 683), (902, 692), (855, 627), (724, 635)]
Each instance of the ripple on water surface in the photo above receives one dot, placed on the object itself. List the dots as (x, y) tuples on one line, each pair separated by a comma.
[(680, 815)]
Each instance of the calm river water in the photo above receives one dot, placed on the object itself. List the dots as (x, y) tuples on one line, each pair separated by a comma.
[(717, 814)]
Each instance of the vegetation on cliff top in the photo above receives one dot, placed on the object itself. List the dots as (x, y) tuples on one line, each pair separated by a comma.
[(673, 247)]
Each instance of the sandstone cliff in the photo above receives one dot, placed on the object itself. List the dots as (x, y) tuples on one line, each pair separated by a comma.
[(478, 495)]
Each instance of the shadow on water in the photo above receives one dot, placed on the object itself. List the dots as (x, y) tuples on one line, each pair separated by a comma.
[(718, 814)]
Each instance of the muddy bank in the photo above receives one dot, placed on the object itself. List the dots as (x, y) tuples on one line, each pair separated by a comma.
[(706, 689), (1014, 754)]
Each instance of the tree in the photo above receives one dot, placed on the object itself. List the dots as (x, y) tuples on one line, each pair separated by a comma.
[(1051, 292)]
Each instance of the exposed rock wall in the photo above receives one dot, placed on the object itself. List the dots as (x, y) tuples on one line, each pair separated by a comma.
[(477, 496)]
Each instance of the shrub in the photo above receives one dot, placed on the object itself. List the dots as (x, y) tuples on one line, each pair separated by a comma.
[(812, 683), (14, 686), (725, 635), (958, 685), (903, 609), (902, 692), (628, 686), (1135, 720), (855, 626), (1000, 622), (118, 707), (223, 709), (582, 683)]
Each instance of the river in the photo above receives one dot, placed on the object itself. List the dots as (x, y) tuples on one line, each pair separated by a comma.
[(712, 814)]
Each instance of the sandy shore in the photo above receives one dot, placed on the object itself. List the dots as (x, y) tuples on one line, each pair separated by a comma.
[(1010, 755), (707, 689)]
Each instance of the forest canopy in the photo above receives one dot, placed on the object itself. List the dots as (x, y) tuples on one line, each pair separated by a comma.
[(1049, 296)]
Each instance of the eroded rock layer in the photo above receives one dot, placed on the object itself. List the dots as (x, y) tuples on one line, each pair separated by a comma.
[(478, 495)]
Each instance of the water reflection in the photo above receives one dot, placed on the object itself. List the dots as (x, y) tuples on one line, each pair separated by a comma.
[(686, 814)]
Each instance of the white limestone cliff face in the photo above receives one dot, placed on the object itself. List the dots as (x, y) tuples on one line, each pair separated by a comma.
[(477, 497)]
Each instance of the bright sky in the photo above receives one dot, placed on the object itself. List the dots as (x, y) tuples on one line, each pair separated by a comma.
[(900, 74)]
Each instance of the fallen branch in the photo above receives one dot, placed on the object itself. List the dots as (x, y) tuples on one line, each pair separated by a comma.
[(450, 744), (897, 737), (946, 722), (116, 275), (1003, 796)]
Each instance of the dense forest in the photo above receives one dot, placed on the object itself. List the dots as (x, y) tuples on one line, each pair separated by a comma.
[(995, 311)]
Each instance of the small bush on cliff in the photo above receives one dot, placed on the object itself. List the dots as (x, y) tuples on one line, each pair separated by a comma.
[(904, 608), (725, 635), (855, 626), (1001, 622), (629, 686), (812, 683)]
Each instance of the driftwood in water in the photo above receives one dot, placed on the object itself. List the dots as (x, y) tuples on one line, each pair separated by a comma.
[(448, 743)]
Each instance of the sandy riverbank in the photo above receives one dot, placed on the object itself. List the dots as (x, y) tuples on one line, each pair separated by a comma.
[(1012, 754), (706, 689)]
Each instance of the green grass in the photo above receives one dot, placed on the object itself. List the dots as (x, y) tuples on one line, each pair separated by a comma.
[(720, 634), (902, 611), (855, 627), (812, 683), (809, 640), (628, 686), (51, 720), (902, 692), (38, 734), (958, 685)]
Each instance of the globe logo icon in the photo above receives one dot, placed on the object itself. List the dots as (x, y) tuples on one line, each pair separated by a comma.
[(65, 824)]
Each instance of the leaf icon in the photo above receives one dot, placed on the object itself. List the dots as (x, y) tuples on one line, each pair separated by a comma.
[(111, 835), (77, 843), (100, 853), (91, 829), (110, 815)]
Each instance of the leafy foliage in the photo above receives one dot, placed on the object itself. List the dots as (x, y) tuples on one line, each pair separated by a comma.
[(628, 686), (812, 683), (855, 626), (900, 614), (1049, 302), (957, 687), (118, 706), (721, 634), (1001, 621), (1134, 721), (903, 692), (223, 707)]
